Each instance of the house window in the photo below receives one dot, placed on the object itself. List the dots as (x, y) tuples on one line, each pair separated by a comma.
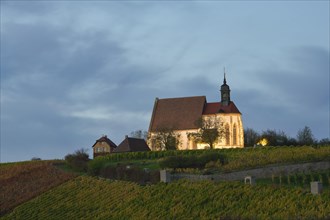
[(227, 134), (100, 149), (234, 135)]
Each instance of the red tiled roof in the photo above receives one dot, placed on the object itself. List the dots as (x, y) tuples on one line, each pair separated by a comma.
[(107, 140), (177, 113), (217, 107), (182, 113)]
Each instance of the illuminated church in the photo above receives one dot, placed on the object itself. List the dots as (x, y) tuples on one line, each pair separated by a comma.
[(181, 114)]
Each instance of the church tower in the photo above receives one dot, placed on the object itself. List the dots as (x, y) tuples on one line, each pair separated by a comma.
[(225, 92)]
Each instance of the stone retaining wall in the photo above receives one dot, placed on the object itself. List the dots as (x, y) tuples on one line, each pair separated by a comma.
[(265, 172)]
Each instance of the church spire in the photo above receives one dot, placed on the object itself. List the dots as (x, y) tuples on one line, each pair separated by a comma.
[(225, 90), (224, 76)]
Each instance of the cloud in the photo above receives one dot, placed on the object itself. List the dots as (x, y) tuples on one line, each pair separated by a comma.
[(292, 95), (72, 71)]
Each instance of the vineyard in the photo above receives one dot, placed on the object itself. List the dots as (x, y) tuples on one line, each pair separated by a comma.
[(40, 190), (286, 153), (236, 159), (275, 155), (299, 179), (92, 198), (20, 182)]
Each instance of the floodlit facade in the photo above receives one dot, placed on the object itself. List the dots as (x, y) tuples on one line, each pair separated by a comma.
[(180, 116)]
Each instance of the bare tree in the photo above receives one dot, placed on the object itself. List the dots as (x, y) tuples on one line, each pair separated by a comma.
[(276, 138), (210, 130), (324, 142), (305, 136), (165, 139), (251, 137), (140, 134)]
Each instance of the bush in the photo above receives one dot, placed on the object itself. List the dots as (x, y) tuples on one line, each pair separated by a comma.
[(178, 162), (78, 160), (169, 162), (191, 161), (35, 158), (203, 159), (129, 173), (213, 164), (94, 167)]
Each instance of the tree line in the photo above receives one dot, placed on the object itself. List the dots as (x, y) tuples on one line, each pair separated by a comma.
[(209, 132), (280, 138)]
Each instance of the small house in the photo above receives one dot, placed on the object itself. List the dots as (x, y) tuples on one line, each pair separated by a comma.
[(130, 144), (103, 146)]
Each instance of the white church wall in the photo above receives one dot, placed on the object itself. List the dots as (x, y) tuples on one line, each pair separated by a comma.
[(231, 120)]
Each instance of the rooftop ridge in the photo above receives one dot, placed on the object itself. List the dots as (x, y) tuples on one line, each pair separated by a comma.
[(184, 97)]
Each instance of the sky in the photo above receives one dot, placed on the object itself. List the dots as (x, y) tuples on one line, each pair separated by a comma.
[(72, 71)]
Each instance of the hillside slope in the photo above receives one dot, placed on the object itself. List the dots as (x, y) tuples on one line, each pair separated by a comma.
[(20, 182), (91, 198)]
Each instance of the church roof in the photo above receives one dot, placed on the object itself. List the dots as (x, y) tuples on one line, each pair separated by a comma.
[(182, 113), (218, 107), (177, 113), (132, 145)]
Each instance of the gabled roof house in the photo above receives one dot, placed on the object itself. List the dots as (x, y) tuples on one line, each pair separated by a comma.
[(103, 146), (130, 144)]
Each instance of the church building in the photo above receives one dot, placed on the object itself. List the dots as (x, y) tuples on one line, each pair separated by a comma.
[(181, 114)]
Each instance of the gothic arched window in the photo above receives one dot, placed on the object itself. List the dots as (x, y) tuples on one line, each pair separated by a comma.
[(227, 134), (234, 135)]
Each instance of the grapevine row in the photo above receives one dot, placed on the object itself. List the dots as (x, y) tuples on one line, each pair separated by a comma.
[(92, 198)]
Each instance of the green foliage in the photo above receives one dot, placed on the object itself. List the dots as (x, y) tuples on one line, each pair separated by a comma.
[(92, 198), (130, 172), (139, 171), (165, 139), (235, 159), (305, 136), (251, 137), (280, 138), (203, 159), (299, 179), (213, 164), (191, 161), (209, 131), (94, 167), (258, 157), (324, 142), (78, 160), (275, 138), (179, 162)]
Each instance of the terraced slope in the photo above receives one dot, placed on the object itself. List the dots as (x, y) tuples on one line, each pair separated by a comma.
[(21, 182), (91, 198)]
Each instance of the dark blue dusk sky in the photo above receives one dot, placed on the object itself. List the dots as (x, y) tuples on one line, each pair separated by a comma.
[(74, 70)]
